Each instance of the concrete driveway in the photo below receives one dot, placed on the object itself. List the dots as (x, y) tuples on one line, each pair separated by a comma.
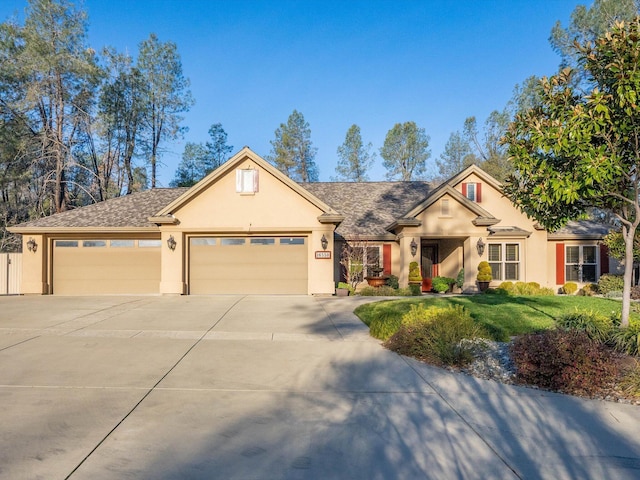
[(269, 387)]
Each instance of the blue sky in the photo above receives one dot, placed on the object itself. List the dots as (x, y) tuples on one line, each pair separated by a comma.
[(372, 63)]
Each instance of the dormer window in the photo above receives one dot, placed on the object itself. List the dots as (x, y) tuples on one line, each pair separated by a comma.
[(247, 181), (472, 190)]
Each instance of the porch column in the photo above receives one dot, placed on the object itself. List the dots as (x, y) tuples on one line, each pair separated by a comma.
[(406, 258)]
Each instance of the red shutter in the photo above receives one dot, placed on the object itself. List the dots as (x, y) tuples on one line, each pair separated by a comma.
[(478, 192), (559, 263), (464, 189), (604, 259), (386, 259)]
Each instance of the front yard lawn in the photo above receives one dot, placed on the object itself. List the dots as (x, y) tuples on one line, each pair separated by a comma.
[(503, 316)]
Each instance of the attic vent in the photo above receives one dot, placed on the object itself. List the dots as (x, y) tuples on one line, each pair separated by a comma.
[(247, 181), (444, 208)]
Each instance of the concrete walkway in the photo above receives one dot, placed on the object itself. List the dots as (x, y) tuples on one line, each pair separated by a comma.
[(269, 387)]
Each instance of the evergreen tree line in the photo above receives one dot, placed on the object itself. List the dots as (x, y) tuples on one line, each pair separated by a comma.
[(79, 126)]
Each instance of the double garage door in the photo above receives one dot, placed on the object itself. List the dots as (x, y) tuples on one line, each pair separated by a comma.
[(217, 265), (250, 265), (97, 267)]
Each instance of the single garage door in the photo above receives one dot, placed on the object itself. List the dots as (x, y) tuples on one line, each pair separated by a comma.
[(249, 265), (95, 267)]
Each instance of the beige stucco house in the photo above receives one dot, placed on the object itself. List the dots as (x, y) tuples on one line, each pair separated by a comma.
[(247, 228)]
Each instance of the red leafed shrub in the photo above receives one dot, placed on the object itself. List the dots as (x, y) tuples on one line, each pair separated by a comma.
[(635, 292), (563, 360)]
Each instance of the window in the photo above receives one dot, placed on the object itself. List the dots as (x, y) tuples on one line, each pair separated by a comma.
[(292, 241), (66, 243), (149, 243), (203, 241), (94, 243), (581, 263), (232, 241), (364, 262), (263, 241), (247, 181), (471, 191), (121, 243), (504, 259)]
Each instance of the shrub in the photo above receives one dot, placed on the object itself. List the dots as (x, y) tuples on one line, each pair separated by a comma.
[(627, 340), (570, 288), (596, 326), (435, 335), (506, 287), (383, 291), (635, 292), (484, 272), (441, 284), (414, 272), (392, 281), (460, 279), (383, 327), (588, 290), (564, 360), (630, 382), (610, 283), (522, 288), (415, 289)]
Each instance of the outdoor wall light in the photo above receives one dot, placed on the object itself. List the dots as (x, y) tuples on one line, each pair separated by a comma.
[(414, 247), (171, 243), (324, 242), (480, 246), (32, 246)]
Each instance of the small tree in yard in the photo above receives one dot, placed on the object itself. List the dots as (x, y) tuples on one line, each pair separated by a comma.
[(576, 150), (353, 261)]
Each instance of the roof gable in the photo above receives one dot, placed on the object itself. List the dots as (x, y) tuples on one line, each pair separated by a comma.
[(229, 166)]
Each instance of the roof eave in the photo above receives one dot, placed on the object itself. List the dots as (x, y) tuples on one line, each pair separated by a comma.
[(164, 220), (55, 230), (404, 222), (327, 218), (485, 221)]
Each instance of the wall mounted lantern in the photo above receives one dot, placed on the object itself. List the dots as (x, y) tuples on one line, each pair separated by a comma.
[(32, 246), (171, 243), (414, 247), (480, 246), (324, 242)]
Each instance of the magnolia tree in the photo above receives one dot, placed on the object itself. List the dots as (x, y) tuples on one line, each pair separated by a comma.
[(579, 149)]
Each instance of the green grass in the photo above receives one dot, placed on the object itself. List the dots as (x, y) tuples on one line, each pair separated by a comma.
[(502, 316)]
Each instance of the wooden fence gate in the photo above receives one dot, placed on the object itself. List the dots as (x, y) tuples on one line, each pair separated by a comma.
[(10, 273)]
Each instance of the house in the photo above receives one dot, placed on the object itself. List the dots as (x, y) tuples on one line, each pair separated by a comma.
[(247, 228)]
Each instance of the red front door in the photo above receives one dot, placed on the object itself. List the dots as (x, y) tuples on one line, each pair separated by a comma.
[(429, 265)]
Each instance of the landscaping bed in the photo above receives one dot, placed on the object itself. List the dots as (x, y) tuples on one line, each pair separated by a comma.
[(575, 338)]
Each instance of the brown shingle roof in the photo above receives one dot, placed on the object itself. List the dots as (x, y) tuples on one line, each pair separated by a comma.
[(128, 211), (369, 207)]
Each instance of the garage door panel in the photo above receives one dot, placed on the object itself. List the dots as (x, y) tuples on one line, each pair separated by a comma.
[(104, 270), (271, 268)]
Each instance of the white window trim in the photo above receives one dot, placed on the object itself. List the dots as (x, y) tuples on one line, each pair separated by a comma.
[(503, 261), (472, 187), (581, 262)]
